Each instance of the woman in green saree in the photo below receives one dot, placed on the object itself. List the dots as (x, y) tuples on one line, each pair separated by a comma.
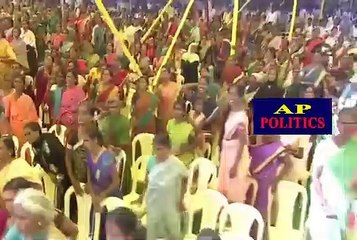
[(144, 105)]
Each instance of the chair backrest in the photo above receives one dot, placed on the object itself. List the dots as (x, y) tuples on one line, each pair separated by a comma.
[(27, 148), (207, 171), (62, 135), (208, 150), (146, 144), (50, 188), (16, 143), (215, 155), (139, 171), (211, 204), (110, 204), (287, 194), (84, 205), (121, 163), (242, 217)]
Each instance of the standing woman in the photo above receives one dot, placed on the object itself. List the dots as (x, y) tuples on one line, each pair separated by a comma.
[(167, 93), (19, 47), (103, 178), (71, 98), (7, 56), (20, 109), (42, 81), (234, 164), (106, 89), (76, 154), (144, 106)]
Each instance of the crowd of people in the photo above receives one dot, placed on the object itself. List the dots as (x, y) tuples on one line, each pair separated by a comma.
[(63, 67)]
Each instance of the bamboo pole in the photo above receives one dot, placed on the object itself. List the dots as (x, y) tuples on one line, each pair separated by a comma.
[(174, 39), (241, 9), (293, 19), (234, 27), (135, 67), (322, 9), (156, 21)]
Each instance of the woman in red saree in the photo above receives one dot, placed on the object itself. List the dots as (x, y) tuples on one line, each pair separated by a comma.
[(144, 106), (42, 81), (106, 89)]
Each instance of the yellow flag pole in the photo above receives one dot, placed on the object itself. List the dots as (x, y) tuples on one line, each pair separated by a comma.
[(322, 8), (234, 27), (293, 19), (241, 9), (174, 39), (114, 30), (156, 21)]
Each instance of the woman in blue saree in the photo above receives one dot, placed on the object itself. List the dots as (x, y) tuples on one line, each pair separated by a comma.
[(102, 172)]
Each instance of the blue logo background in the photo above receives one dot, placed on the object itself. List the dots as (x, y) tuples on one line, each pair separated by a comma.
[(265, 108)]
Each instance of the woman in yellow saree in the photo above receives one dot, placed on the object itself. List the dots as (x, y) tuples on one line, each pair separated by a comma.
[(7, 57)]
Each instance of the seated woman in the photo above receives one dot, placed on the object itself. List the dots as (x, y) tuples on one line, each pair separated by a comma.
[(66, 226), (122, 222), (182, 134), (34, 217), (12, 167)]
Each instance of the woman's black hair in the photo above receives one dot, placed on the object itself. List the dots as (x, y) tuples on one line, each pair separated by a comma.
[(75, 75), (10, 145), (162, 139), (125, 219), (34, 127), (19, 74), (94, 134), (19, 183), (209, 234)]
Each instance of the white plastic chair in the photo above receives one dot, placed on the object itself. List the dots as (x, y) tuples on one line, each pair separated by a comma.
[(242, 217), (62, 135), (121, 163), (208, 150), (27, 148), (111, 203), (84, 205), (50, 188), (287, 193), (215, 155), (211, 205), (16, 143), (207, 172), (146, 144), (138, 174)]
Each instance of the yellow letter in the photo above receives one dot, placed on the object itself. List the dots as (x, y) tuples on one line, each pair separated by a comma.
[(284, 109), (301, 108)]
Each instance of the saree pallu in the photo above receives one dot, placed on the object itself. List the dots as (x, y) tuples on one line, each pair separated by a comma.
[(144, 114), (267, 176)]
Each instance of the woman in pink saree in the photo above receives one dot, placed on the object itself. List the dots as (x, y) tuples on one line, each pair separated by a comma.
[(233, 175), (71, 99)]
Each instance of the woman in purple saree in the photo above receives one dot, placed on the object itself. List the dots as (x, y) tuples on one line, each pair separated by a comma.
[(266, 161)]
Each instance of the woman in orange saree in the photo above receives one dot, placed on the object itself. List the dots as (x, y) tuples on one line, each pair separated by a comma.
[(167, 93), (144, 106), (20, 109)]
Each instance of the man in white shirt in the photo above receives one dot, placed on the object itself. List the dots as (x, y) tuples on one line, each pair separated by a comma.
[(327, 197), (27, 35)]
